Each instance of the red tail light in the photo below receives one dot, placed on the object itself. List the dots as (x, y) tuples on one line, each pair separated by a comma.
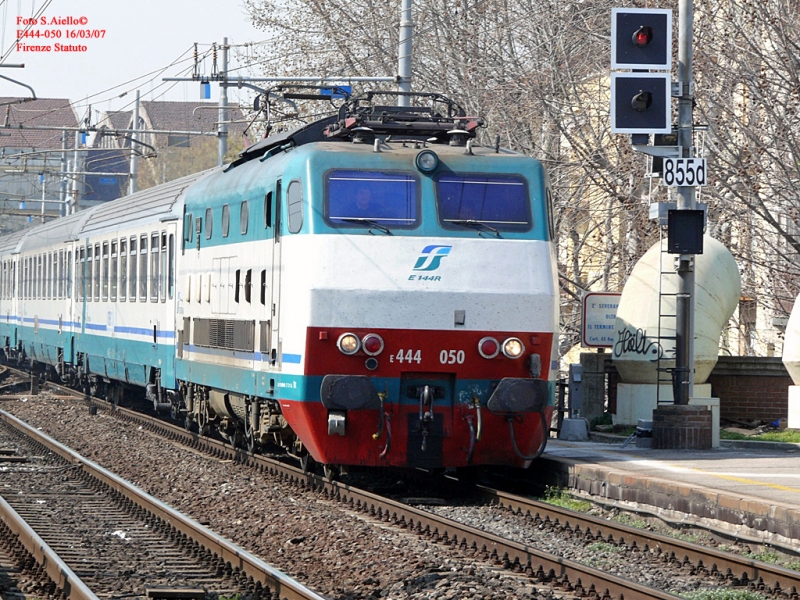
[(488, 347), (372, 344)]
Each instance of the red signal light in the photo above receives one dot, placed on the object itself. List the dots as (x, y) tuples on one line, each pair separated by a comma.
[(642, 36)]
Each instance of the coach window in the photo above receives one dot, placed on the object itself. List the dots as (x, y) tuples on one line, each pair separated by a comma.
[(143, 268), (38, 275), (226, 220), (96, 273), (132, 279), (162, 272), (209, 223), (123, 269), (114, 270), (263, 287), (171, 266), (294, 199), (62, 273), (48, 277), (105, 271), (248, 282), (188, 223), (268, 210), (244, 216), (89, 274), (80, 272), (154, 267), (69, 274), (238, 286), (57, 274)]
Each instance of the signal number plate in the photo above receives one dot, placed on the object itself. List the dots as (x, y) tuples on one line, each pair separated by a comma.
[(684, 171)]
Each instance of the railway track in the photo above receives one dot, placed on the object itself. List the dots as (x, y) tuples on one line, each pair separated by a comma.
[(570, 577), (96, 535)]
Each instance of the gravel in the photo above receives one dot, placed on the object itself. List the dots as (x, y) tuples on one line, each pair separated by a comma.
[(335, 551)]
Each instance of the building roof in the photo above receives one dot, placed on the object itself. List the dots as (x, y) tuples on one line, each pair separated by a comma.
[(190, 116), (53, 112), (118, 119)]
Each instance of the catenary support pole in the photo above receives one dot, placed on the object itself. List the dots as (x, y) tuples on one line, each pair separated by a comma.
[(222, 128), (684, 359), (404, 52), (134, 148)]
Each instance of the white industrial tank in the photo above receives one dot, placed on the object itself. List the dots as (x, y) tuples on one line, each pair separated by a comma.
[(637, 342), (791, 344)]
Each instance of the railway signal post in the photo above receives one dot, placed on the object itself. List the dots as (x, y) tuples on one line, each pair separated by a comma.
[(640, 106)]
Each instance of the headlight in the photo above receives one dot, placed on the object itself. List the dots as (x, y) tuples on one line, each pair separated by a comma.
[(488, 347), (348, 343), (513, 348), (372, 344), (427, 161)]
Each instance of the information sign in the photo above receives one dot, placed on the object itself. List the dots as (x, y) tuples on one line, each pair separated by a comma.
[(598, 316)]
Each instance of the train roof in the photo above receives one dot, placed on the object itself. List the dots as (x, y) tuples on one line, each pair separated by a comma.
[(160, 202), (10, 243), (142, 206)]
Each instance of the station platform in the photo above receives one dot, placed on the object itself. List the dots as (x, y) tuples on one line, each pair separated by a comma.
[(748, 490)]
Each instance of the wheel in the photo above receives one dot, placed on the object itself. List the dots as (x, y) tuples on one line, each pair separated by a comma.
[(202, 423), (307, 463), (250, 442), (331, 472)]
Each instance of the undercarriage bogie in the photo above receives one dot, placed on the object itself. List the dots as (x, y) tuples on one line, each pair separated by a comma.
[(243, 420)]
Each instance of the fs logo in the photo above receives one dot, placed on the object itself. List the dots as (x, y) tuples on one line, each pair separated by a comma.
[(431, 257)]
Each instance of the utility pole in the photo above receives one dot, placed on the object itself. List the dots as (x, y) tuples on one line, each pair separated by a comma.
[(684, 357), (134, 155), (223, 107)]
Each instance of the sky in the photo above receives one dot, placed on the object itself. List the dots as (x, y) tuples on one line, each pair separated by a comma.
[(135, 40)]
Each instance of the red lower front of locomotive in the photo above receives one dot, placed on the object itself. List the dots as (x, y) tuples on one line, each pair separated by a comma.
[(428, 399)]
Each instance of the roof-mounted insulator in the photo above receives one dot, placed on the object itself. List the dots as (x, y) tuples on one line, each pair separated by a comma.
[(362, 134), (458, 137)]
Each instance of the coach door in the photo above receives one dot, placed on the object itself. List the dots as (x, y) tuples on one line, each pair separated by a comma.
[(275, 341)]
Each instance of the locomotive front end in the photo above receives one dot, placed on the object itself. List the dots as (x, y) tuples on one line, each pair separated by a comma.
[(432, 308)]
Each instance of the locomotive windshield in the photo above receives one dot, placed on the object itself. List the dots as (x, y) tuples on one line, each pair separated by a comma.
[(496, 203), (370, 198)]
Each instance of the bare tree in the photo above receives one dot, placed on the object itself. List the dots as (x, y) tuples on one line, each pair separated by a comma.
[(537, 71)]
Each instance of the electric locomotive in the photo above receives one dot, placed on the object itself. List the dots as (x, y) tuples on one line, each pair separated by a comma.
[(373, 288), (386, 295)]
